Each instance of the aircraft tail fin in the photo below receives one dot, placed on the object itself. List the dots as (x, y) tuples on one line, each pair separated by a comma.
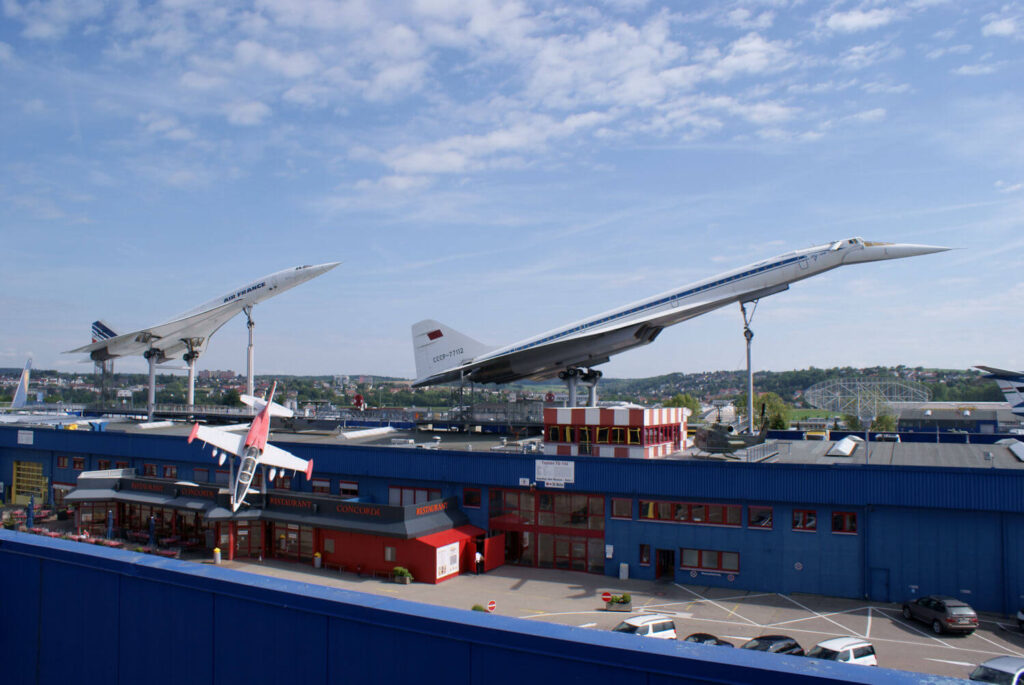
[(21, 393), (438, 348), (101, 330), (1012, 385)]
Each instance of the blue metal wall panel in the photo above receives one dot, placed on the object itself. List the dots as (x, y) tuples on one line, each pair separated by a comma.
[(953, 553), (149, 635), (269, 630), (20, 622)]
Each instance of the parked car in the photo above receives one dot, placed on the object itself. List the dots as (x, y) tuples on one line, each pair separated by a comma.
[(943, 614), (707, 639), (850, 650), (780, 644), (648, 625), (1004, 670)]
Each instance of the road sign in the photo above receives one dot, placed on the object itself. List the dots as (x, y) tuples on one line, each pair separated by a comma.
[(606, 596), (491, 606)]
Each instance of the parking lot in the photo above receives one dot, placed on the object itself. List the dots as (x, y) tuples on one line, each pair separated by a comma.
[(571, 598)]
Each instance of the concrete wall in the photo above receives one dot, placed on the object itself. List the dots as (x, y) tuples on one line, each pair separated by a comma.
[(74, 613)]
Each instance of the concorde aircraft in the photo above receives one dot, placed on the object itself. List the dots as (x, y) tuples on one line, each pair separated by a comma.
[(1012, 385), (187, 334), (444, 354), (252, 447)]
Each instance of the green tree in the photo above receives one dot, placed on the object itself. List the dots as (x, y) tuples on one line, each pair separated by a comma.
[(684, 400), (776, 409)]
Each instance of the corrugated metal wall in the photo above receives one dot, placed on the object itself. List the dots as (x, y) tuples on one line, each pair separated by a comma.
[(85, 615)]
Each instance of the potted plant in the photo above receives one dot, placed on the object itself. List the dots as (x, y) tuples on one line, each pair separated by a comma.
[(623, 602), (401, 575)]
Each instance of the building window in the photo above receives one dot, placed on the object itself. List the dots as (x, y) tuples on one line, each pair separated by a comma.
[(622, 508), (221, 477), (170, 471), (201, 475), (390, 554), (805, 519), (322, 486), (553, 434), (405, 496), (471, 498), (686, 512), (78, 463), (844, 522), (645, 555), (149, 470), (62, 462), (103, 464), (122, 465), (348, 488), (759, 517), (282, 483), (709, 560)]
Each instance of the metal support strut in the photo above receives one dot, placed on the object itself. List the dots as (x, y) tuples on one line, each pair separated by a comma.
[(190, 358), (749, 335), (152, 356), (248, 369), (572, 376)]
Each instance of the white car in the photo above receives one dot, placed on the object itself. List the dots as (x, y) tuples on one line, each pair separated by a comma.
[(1003, 670), (648, 625), (850, 650)]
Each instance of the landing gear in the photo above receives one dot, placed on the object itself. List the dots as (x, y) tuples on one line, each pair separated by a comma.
[(573, 375), (749, 335), (154, 357)]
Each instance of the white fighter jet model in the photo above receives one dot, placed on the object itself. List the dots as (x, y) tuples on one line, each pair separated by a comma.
[(187, 334), (444, 354), (252, 447)]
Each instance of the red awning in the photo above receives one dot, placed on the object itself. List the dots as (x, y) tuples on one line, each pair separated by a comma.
[(451, 535)]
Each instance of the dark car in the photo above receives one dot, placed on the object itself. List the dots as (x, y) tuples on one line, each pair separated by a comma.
[(779, 644), (707, 639), (943, 614)]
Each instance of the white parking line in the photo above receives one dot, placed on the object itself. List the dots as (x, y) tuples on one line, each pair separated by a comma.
[(807, 608), (1003, 646), (716, 604), (947, 661), (867, 633)]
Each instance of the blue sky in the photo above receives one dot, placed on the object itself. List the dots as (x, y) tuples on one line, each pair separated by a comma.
[(509, 167)]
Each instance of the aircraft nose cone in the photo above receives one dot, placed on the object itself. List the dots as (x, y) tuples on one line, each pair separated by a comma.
[(900, 250)]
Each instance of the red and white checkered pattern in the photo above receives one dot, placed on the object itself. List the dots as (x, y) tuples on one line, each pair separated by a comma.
[(623, 418)]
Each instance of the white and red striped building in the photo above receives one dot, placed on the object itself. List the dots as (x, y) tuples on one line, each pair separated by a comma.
[(620, 432)]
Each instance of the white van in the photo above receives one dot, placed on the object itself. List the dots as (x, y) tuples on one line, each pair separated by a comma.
[(850, 650), (648, 625)]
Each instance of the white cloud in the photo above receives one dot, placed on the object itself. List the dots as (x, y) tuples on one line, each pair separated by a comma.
[(752, 54), (198, 81), (860, 20), (1004, 187), (1006, 26), (6, 52), (951, 50), (294, 65), (247, 113), (975, 70), (396, 80), (863, 56), (743, 18), (869, 116)]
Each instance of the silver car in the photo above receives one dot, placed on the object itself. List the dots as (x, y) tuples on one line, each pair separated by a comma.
[(943, 614), (1003, 670)]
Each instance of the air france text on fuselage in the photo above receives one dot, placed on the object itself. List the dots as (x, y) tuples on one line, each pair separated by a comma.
[(240, 293)]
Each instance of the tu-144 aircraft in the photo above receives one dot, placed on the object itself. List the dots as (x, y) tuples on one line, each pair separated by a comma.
[(443, 354), (252, 447)]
